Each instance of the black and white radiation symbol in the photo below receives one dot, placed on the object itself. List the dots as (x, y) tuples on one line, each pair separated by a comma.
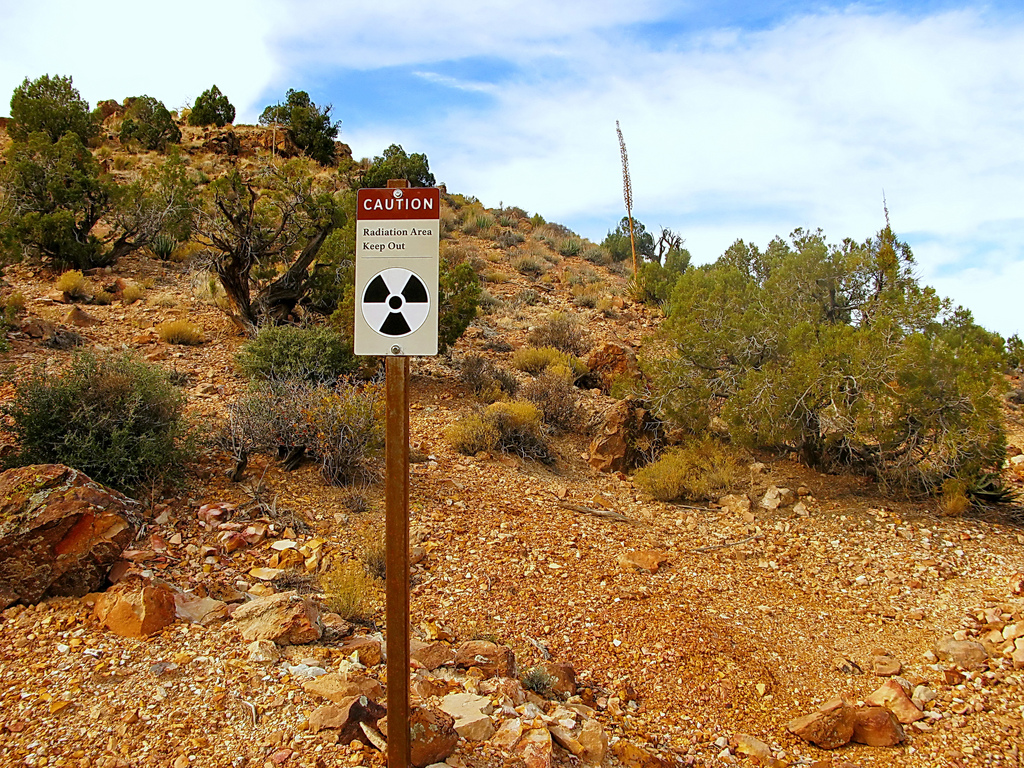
[(395, 302)]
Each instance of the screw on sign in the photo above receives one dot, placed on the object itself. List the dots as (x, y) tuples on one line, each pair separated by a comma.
[(395, 302)]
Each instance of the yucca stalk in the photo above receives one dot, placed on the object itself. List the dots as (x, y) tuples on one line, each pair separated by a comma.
[(627, 191)]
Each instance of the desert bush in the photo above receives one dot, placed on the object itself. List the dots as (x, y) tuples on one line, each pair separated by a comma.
[(349, 591), (836, 354), (479, 225), (180, 332), (584, 276), (489, 302), (555, 396), (494, 276), (509, 238), (287, 352), (51, 105), (519, 429), (954, 501), (597, 255), (529, 266), (372, 552), (347, 429), (459, 299), (102, 298), (586, 296), (700, 471), (561, 331), (534, 360), (73, 285), (116, 418), (340, 427), (527, 297), (165, 300), (310, 127), (488, 381)]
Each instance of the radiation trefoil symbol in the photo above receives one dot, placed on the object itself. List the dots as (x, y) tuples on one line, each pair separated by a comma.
[(395, 302)]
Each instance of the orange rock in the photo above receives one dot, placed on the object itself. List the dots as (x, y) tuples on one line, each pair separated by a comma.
[(892, 696), (492, 659), (563, 675), (877, 727), (367, 650), (830, 727), (633, 756), (433, 736), (646, 559), (136, 607)]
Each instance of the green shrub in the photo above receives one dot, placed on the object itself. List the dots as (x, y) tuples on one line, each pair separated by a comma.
[(700, 471), (530, 266), (51, 105), (148, 122), (116, 418), (459, 299), (309, 127), (288, 352), (395, 163), (212, 108), (561, 331), (837, 354)]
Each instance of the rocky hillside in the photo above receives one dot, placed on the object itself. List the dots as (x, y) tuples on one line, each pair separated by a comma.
[(562, 617)]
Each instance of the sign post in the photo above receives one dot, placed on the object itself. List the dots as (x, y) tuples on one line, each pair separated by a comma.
[(397, 238)]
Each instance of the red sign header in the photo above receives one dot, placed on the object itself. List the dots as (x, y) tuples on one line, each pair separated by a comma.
[(408, 203)]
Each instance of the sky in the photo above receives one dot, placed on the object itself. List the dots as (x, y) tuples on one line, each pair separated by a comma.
[(741, 120)]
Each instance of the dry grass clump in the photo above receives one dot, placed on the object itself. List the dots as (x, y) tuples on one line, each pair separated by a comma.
[(954, 500), (472, 435), (561, 331), (700, 471), (132, 293), (180, 332), (73, 285), (164, 300), (349, 591), (536, 360), (372, 552)]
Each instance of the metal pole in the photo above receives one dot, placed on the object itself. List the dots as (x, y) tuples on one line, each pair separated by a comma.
[(397, 581)]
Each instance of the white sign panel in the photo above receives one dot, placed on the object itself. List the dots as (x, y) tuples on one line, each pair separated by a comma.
[(397, 238)]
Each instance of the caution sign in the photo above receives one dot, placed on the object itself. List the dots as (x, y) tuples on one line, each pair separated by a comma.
[(397, 238)]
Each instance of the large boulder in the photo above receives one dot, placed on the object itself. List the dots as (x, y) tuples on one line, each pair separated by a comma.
[(629, 435), (60, 532)]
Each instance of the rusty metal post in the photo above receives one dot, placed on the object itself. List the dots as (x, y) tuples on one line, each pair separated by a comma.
[(397, 581)]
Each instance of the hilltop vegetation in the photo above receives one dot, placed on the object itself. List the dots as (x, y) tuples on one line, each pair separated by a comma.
[(833, 353)]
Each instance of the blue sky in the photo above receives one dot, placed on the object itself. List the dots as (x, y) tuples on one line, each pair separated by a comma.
[(743, 120)]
